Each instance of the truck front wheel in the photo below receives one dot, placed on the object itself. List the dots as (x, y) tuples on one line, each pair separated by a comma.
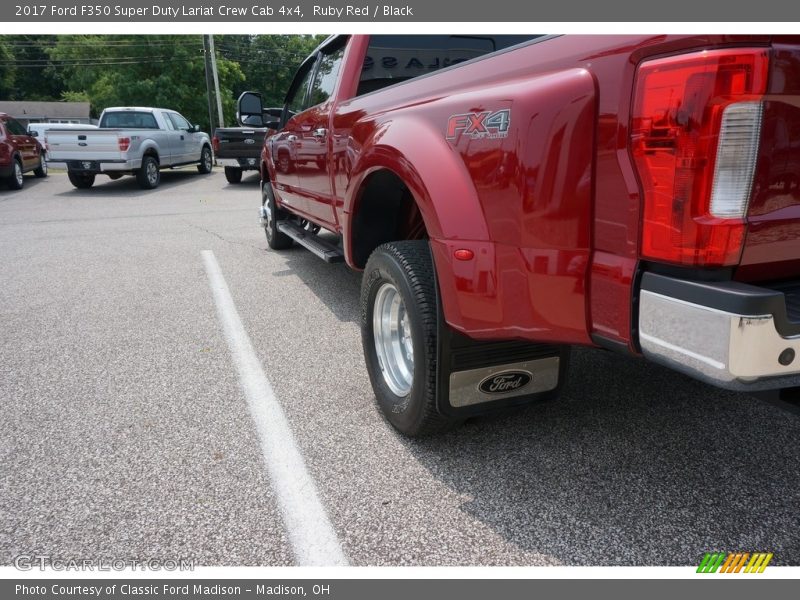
[(206, 161), (233, 175), (399, 335), (82, 181), (270, 214)]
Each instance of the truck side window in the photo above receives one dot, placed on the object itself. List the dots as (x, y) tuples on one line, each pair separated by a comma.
[(295, 101), (179, 121), (391, 59), (168, 121), (15, 128), (325, 77)]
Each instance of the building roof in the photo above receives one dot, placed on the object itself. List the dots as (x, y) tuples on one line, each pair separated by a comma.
[(46, 110)]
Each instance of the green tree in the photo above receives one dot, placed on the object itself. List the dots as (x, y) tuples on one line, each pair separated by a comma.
[(143, 70), (25, 72), (268, 61), (8, 71)]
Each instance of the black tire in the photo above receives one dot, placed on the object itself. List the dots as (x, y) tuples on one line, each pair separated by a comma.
[(275, 239), (41, 170), (82, 181), (149, 176), (233, 175), (206, 161), (16, 180), (408, 267)]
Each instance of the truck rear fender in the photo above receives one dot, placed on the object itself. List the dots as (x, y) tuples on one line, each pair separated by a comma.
[(150, 148), (407, 159)]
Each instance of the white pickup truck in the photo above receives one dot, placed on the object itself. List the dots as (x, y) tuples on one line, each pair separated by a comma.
[(130, 141)]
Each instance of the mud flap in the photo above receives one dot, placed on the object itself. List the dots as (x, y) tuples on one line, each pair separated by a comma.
[(478, 377)]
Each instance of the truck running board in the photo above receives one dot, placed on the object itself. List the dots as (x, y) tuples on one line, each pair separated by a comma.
[(322, 248)]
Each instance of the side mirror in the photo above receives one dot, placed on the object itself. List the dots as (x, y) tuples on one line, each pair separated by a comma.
[(195, 128), (250, 105)]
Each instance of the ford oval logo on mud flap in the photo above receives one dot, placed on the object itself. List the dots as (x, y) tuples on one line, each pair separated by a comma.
[(505, 382)]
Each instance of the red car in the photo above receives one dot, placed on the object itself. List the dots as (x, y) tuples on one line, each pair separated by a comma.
[(19, 153)]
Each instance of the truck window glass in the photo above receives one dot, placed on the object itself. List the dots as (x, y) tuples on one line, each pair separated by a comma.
[(129, 119), (391, 59), (15, 128), (295, 102), (325, 79), (179, 121)]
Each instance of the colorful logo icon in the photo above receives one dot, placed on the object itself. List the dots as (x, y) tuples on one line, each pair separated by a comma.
[(734, 562)]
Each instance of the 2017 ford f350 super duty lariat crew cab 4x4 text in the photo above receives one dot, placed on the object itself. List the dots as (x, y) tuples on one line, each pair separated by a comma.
[(636, 193), (130, 141)]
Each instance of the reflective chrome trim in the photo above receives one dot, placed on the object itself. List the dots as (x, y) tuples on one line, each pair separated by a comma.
[(391, 328), (228, 162), (729, 350)]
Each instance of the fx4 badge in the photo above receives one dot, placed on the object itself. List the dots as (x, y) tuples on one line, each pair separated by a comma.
[(479, 125)]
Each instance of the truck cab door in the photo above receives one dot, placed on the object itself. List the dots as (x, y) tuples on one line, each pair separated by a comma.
[(171, 153), (183, 149), (314, 142), (190, 140), (283, 146)]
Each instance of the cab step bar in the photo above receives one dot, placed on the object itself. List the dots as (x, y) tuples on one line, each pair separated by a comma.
[(322, 248)]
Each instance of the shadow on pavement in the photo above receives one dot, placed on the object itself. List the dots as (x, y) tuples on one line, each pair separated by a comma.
[(126, 185), (633, 465)]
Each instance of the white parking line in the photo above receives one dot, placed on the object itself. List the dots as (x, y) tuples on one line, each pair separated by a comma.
[(311, 535)]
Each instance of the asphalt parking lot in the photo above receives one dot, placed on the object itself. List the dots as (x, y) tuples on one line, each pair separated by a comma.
[(125, 429)]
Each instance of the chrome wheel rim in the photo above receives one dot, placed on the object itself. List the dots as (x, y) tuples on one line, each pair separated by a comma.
[(43, 166), (152, 172), (18, 173), (391, 328), (207, 160)]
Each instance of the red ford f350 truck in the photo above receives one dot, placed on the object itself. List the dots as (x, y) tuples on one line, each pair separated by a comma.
[(507, 199)]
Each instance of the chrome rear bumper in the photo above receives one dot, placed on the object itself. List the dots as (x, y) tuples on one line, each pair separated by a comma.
[(732, 335)]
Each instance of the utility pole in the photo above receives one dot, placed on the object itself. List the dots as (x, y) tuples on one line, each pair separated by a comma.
[(207, 59), (216, 79)]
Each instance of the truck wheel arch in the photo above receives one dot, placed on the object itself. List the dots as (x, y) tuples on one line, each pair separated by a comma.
[(434, 178)]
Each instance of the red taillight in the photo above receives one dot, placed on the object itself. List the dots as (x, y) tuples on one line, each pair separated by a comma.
[(124, 143), (688, 111), (215, 144)]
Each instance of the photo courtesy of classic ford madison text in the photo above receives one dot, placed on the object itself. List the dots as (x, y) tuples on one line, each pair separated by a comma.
[(381, 300)]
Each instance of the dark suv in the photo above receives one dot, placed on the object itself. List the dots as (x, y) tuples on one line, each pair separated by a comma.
[(19, 153)]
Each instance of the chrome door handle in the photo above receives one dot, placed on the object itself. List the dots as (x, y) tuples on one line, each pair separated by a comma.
[(320, 133)]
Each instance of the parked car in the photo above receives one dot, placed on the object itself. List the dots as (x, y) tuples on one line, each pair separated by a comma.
[(238, 149), (19, 153), (135, 141), (38, 130), (630, 193)]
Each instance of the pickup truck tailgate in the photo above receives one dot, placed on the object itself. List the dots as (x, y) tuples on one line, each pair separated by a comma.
[(772, 245), (240, 143), (78, 144)]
